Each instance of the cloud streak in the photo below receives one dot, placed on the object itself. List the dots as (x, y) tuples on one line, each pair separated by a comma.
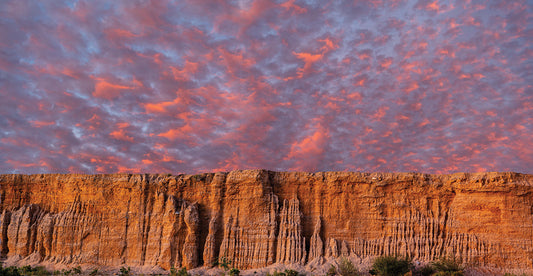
[(195, 86)]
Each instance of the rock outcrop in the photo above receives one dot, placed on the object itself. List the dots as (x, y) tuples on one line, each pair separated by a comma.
[(258, 218), (291, 244), (316, 249)]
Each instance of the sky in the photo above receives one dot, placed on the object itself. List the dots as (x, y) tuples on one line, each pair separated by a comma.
[(192, 86)]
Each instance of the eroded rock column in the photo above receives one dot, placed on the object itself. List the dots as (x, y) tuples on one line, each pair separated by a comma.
[(291, 244)]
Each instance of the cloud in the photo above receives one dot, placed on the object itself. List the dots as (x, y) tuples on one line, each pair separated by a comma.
[(193, 86)]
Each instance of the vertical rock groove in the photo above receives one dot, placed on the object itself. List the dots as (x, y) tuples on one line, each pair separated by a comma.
[(190, 245), (210, 244), (5, 219), (317, 246)]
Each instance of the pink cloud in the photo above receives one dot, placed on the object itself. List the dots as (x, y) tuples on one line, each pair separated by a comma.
[(194, 86), (107, 90), (311, 145)]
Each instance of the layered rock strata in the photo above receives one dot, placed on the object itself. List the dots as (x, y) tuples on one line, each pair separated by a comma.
[(258, 218)]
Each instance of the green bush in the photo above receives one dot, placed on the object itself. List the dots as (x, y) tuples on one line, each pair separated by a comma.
[(181, 272), (347, 268), (94, 272), (125, 271), (290, 272), (40, 271), (287, 272), (234, 272), (77, 270), (332, 271), (426, 270), (10, 271), (25, 270), (224, 263), (390, 266), (448, 267)]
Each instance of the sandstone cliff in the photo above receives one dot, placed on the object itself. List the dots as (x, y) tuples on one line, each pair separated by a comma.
[(257, 218)]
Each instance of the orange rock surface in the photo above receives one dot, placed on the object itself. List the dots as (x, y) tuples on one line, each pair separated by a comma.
[(258, 218)]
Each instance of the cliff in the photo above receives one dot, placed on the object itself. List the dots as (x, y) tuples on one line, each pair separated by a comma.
[(258, 218)]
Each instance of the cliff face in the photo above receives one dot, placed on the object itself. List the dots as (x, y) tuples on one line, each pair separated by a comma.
[(257, 218)]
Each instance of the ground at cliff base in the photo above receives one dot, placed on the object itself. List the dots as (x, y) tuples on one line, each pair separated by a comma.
[(317, 268), (363, 268)]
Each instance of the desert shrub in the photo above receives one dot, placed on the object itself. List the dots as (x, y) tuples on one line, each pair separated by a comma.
[(10, 271), (332, 271), (426, 270), (25, 270), (125, 271), (234, 272), (448, 267), (36, 271), (94, 272), (347, 268), (287, 272), (276, 273), (390, 266), (40, 271), (181, 272), (223, 262), (76, 270), (290, 272)]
